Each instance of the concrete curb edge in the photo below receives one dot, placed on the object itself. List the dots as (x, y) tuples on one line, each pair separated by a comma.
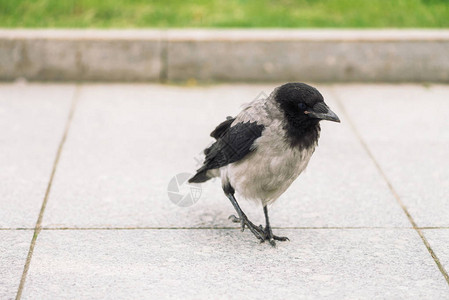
[(225, 55)]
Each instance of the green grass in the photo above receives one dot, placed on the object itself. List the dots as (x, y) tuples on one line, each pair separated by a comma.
[(224, 13)]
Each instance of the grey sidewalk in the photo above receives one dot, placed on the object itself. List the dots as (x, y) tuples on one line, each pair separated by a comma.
[(91, 165)]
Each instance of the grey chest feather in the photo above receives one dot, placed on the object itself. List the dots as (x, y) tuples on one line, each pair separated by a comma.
[(268, 171)]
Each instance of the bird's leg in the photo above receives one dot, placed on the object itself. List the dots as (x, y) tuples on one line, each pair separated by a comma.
[(243, 219), (269, 233)]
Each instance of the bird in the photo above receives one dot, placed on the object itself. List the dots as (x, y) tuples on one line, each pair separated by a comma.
[(260, 152)]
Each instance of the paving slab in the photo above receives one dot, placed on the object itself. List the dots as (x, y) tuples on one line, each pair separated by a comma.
[(32, 121), (14, 245), (405, 128), (127, 142), (439, 241), (195, 264)]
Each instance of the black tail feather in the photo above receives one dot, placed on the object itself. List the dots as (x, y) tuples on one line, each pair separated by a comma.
[(199, 177), (219, 131)]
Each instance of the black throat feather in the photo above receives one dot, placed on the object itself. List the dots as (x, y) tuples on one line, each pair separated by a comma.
[(302, 133)]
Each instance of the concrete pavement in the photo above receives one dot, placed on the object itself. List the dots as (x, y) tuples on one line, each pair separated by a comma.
[(85, 211)]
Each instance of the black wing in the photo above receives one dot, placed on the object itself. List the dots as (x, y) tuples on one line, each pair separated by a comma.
[(232, 145)]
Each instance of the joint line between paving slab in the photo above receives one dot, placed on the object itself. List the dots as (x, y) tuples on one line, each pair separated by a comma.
[(220, 228), (224, 227), (38, 226), (390, 185)]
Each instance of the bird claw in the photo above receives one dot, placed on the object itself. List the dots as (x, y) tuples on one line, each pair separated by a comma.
[(269, 236), (258, 233), (263, 234), (234, 219), (281, 238)]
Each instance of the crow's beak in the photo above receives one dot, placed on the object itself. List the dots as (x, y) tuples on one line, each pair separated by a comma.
[(323, 112)]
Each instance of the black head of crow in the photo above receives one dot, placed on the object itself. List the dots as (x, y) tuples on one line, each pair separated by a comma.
[(262, 150)]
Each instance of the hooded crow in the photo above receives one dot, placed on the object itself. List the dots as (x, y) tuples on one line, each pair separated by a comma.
[(261, 151)]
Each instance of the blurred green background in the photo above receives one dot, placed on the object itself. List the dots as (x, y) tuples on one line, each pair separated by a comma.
[(224, 13)]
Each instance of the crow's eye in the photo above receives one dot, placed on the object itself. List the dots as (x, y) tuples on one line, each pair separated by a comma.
[(302, 106)]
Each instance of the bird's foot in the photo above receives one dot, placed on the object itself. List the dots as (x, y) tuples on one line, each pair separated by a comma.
[(270, 237), (258, 233), (263, 234)]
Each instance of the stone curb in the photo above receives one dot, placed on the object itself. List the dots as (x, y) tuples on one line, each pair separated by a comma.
[(225, 55)]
